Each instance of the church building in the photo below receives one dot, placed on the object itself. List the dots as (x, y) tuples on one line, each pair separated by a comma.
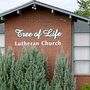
[(49, 28)]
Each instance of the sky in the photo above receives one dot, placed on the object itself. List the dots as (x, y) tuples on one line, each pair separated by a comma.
[(70, 5)]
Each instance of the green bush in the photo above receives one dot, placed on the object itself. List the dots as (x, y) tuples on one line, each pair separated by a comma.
[(29, 72), (63, 78), (7, 70), (86, 87)]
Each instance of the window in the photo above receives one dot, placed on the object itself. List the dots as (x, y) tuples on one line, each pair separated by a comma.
[(2, 38), (82, 67), (81, 53), (81, 48)]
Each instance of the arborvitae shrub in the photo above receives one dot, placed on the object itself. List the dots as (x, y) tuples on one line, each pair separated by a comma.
[(30, 70), (27, 73), (63, 78), (6, 70)]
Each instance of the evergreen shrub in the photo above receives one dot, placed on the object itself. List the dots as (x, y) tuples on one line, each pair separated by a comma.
[(63, 79), (86, 87), (7, 70), (29, 72)]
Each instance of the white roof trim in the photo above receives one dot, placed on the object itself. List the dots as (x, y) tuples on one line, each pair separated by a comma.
[(44, 5)]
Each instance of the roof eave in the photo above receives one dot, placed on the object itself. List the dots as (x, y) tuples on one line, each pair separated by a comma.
[(44, 5), (16, 9), (62, 10)]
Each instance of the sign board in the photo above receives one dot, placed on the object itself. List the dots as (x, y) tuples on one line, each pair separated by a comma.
[(50, 33)]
